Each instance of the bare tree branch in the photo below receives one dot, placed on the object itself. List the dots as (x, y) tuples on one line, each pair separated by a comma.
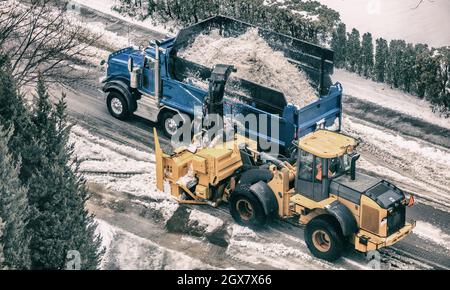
[(420, 2), (40, 38)]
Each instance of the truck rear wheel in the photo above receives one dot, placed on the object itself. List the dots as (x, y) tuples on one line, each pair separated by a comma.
[(117, 105), (168, 123), (324, 239), (246, 210)]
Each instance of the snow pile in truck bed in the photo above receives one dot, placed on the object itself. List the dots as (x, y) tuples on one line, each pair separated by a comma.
[(255, 60)]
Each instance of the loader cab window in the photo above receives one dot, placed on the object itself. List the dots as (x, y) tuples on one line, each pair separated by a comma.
[(309, 180), (340, 165)]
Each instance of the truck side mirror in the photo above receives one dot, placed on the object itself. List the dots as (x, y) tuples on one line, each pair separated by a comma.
[(130, 64)]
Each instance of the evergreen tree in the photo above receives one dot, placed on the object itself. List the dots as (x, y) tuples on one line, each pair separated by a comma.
[(394, 66), (441, 95), (339, 45), (381, 56), (13, 208), (421, 76), (367, 54), (14, 114), (60, 222), (407, 73), (354, 51), (2, 256)]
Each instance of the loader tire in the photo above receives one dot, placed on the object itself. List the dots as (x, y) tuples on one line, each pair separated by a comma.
[(324, 238), (247, 211), (117, 105)]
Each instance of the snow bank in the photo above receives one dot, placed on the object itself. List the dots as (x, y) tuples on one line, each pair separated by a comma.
[(381, 94), (208, 222), (255, 60), (117, 167), (166, 207), (127, 251), (431, 233), (107, 232), (92, 145), (410, 161)]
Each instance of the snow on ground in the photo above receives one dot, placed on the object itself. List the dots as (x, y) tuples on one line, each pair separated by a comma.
[(113, 147), (419, 163), (397, 19), (127, 251), (107, 232), (166, 207), (383, 95), (255, 60), (204, 220), (431, 233), (105, 6), (117, 167), (248, 246)]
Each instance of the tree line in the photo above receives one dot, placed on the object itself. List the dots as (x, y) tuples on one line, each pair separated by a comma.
[(276, 16), (415, 69), (42, 196)]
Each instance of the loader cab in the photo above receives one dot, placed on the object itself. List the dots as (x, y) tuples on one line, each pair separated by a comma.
[(323, 155)]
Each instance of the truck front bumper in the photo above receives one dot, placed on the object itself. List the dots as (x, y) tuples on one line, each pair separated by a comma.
[(365, 241)]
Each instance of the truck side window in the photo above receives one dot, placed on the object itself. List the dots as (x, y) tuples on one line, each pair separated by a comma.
[(306, 166), (149, 63)]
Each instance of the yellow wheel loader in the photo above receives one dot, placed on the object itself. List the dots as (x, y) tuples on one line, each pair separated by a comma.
[(319, 187)]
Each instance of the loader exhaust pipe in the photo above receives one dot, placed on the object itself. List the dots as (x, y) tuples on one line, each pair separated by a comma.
[(353, 166)]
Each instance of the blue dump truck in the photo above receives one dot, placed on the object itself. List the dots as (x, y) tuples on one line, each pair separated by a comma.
[(151, 83)]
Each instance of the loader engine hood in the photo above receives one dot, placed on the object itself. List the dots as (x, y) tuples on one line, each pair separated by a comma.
[(382, 192)]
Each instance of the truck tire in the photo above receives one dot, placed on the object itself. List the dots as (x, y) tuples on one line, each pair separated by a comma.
[(117, 105), (247, 210), (167, 123), (324, 238)]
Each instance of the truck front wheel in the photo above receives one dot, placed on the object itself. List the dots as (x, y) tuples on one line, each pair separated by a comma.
[(246, 210), (324, 239), (117, 105)]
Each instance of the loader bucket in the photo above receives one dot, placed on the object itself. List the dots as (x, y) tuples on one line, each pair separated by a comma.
[(315, 61)]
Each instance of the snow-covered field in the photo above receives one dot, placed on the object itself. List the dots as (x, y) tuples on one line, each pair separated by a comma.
[(397, 19), (381, 94)]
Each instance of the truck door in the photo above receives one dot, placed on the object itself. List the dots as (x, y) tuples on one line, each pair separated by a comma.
[(307, 183), (148, 76)]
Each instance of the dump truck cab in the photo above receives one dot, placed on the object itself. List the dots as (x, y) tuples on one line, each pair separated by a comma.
[(339, 205)]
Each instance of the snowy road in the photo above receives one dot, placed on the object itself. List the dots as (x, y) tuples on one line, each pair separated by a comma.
[(135, 219)]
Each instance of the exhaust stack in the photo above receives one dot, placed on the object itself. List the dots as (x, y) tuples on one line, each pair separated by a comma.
[(353, 166), (157, 72)]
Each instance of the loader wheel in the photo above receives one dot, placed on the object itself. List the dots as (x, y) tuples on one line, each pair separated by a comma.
[(168, 123), (324, 238), (247, 211), (117, 105)]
